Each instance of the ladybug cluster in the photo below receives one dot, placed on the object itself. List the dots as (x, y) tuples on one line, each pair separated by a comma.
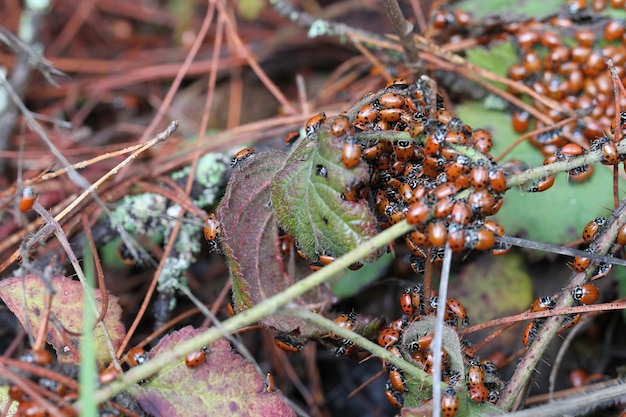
[(482, 383), (565, 65), (582, 294), (589, 234), (441, 178)]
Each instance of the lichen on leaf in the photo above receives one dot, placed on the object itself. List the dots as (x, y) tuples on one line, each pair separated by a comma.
[(25, 297), (224, 385)]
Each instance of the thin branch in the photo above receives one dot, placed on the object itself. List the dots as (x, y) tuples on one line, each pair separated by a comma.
[(404, 30)]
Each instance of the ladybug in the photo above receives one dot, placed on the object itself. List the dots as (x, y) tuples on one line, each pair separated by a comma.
[(321, 171), (316, 266), (355, 266), (433, 143), (609, 150), (391, 101), (16, 393), (461, 213), (483, 239), (313, 123), (586, 293), (406, 303), (614, 30), (37, 356), (581, 263), (591, 229), (456, 237), (621, 236), (476, 373), (350, 153), (520, 121), (493, 397), (458, 310), (478, 393), (398, 83), (136, 356), (445, 189), (347, 321), (395, 398), (285, 343), (544, 183), (211, 228), (124, 254), (429, 363), (270, 384), (416, 297), (479, 177), (449, 403), (326, 259), (437, 233), (571, 320), (241, 155), (580, 174), (396, 380), (388, 337), (482, 140), (578, 377), (195, 358), (530, 334), (390, 115), (404, 150), (423, 343), (495, 227), (497, 180), (339, 125), (292, 136), (367, 114), (542, 304), (400, 323), (443, 208), (28, 199), (417, 213), (31, 409), (572, 149)]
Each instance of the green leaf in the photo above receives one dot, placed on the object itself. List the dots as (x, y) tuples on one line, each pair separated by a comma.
[(224, 385), (494, 287), (249, 239), (309, 206), (350, 283), (555, 216)]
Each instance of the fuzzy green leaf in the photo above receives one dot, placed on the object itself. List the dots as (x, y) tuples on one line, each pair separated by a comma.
[(309, 205)]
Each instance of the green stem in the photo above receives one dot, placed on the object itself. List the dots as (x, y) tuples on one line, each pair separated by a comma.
[(252, 315), (362, 342)]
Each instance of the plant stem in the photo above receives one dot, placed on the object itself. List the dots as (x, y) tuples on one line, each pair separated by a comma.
[(252, 315)]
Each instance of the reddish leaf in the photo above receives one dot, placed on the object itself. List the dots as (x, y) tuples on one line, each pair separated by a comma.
[(250, 242), (25, 298), (224, 385)]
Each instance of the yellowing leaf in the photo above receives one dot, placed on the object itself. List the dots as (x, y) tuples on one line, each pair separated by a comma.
[(25, 298)]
